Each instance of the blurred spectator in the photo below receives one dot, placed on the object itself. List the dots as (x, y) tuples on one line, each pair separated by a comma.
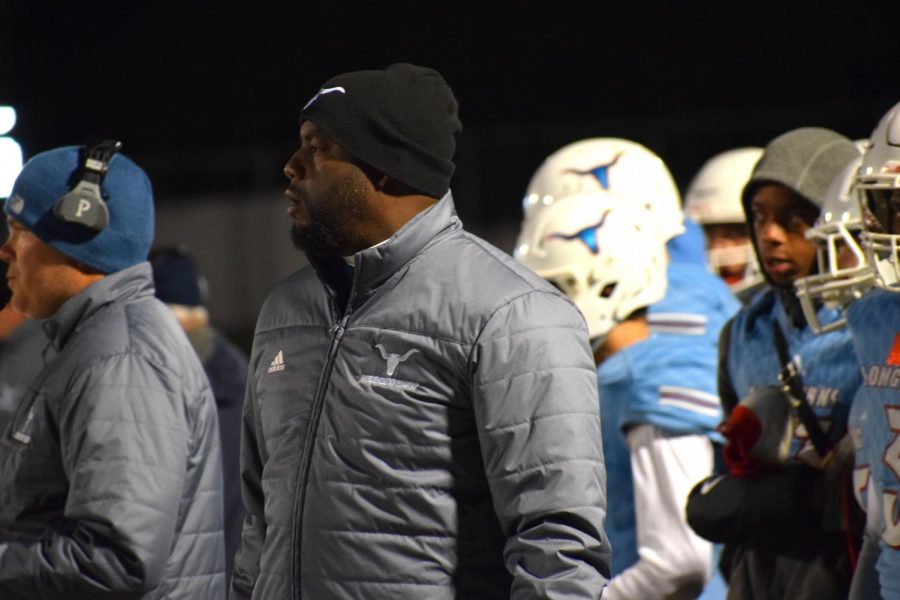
[(180, 285)]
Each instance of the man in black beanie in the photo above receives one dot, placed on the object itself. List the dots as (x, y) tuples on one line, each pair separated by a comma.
[(421, 417)]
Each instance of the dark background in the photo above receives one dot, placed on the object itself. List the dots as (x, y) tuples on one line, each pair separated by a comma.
[(206, 95)]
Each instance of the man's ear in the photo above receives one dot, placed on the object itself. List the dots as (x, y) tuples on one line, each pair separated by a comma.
[(378, 179), (393, 187)]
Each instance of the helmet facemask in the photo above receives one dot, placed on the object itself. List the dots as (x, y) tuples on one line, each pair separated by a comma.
[(843, 273), (881, 239), (878, 193)]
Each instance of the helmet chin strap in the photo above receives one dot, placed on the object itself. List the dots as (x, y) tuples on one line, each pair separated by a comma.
[(791, 304)]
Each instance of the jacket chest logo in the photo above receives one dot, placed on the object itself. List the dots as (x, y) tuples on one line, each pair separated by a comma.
[(393, 360)]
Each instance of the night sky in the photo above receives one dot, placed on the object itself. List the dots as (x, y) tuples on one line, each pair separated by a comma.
[(193, 91)]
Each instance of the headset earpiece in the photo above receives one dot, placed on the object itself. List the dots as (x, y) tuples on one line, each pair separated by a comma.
[(84, 204)]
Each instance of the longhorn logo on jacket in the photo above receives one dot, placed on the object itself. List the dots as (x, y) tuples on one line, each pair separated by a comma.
[(393, 360)]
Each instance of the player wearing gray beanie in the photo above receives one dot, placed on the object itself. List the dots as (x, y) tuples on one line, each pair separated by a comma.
[(805, 161), (787, 394)]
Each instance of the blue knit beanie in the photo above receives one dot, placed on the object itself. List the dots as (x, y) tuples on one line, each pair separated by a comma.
[(126, 189), (176, 278)]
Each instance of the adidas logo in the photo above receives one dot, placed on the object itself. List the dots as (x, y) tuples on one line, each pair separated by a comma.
[(277, 363)]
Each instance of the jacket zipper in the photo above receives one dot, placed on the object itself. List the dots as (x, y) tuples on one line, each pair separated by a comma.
[(337, 331)]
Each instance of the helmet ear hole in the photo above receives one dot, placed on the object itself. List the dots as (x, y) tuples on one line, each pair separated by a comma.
[(608, 289)]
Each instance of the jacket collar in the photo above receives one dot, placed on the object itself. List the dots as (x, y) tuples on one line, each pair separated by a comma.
[(133, 282), (373, 266)]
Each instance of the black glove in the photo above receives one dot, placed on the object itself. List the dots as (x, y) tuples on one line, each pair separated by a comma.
[(773, 510)]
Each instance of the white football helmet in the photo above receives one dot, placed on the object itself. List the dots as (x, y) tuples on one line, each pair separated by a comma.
[(609, 166), (714, 198), (600, 250), (878, 190), (844, 274)]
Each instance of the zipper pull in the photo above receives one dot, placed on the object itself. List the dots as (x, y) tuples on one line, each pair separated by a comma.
[(23, 434)]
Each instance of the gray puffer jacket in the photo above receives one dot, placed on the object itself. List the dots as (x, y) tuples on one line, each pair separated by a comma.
[(110, 475), (439, 438)]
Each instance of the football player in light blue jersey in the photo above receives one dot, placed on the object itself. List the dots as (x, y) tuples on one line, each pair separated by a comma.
[(782, 544), (713, 200), (697, 302), (874, 321), (659, 407), (843, 278)]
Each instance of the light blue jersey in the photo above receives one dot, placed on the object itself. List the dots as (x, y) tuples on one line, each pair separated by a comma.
[(660, 381), (827, 363), (697, 302), (874, 322)]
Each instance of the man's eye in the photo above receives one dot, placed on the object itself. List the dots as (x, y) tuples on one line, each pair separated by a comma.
[(796, 223)]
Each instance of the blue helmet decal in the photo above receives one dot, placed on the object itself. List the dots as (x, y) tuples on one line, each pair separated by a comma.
[(600, 172), (587, 236)]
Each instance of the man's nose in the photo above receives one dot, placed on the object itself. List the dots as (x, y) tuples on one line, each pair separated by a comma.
[(772, 231), (292, 168), (6, 252)]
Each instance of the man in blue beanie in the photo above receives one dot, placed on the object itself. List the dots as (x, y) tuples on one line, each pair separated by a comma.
[(421, 417), (110, 472)]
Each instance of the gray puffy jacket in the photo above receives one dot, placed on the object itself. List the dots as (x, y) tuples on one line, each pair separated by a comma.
[(439, 439), (110, 475)]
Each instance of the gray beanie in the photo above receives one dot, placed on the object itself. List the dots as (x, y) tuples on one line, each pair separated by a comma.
[(806, 160)]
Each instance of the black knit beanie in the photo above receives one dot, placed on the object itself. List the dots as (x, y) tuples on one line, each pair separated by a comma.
[(402, 121)]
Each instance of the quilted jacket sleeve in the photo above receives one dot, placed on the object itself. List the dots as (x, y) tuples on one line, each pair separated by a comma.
[(536, 404), (124, 442), (246, 562)]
